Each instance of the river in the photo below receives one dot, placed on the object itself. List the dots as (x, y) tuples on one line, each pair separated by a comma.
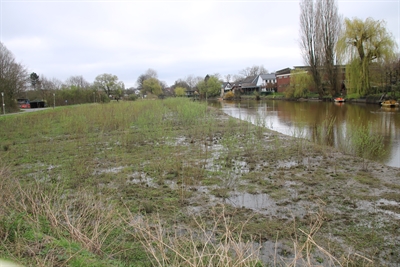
[(308, 119)]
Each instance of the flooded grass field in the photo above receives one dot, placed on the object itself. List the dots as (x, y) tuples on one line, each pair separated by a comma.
[(177, 183)]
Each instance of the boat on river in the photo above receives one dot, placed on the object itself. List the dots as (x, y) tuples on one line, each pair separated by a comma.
[(390, 103), (338, 100)]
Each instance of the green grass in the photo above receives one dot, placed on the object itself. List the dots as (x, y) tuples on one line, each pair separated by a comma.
[(79, 182)]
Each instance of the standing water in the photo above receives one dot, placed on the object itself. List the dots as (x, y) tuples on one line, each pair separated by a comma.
[(305, 119)]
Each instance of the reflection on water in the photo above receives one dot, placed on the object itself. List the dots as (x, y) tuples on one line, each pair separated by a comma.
[(309, 119)]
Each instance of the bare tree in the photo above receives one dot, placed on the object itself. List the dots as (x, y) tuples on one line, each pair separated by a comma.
[(192, 81), (57, 84), (45, 89), (13, 77), (228, 77), (237, 78), (253, 71), (77, 81), (311, 48), (329, 31), (320, 26)]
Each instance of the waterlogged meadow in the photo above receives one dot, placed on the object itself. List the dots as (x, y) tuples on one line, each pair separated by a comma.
[(176, 183)]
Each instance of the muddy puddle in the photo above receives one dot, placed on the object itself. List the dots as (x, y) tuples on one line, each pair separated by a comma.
[(264, 204), (383, 206), (259, 202)]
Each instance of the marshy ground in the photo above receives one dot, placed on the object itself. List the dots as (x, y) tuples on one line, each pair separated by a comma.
[(177, 183)]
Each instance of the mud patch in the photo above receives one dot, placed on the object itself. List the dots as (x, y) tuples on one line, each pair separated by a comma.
[(257, 202), (141, 178), (108, 170)]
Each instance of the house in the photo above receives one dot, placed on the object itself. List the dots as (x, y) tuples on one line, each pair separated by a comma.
[(226, 86), (262, 83), (267, 83), (249, 85), (192, 92)]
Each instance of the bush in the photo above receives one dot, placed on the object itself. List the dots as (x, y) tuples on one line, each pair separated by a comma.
[(229, 95), (133, 97)]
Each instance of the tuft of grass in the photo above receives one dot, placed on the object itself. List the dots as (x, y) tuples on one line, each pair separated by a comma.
[(367, 179)]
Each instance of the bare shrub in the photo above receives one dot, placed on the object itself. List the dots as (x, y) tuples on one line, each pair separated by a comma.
[(218, 244), (87, 220)]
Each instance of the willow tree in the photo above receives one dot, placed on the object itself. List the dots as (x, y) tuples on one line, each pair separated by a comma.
[(300, 84), (153, 86), (361, 44)]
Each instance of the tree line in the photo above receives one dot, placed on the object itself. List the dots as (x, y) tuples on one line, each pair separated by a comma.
[(17, 83), (351, 56)]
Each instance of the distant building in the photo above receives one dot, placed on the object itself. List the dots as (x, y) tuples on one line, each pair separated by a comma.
[(262, 83), (283, 79)]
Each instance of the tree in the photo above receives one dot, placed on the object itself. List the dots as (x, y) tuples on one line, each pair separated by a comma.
[(237, 78), (320, 25), (181, 83), (180, 91), (309, 44), (330, 24), (45, 90), (209, 87), (78, 81), (150, 73), (387, 76), (253, 71), (57, 84), (109, 84), (34, 79), (362, 43), (300, 83), (192, 81), (153, 86), (13, 78)]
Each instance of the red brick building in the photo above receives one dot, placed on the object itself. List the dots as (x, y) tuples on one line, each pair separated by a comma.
[(282, 80)]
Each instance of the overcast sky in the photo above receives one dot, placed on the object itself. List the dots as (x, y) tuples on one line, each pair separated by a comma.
[(60, 39)]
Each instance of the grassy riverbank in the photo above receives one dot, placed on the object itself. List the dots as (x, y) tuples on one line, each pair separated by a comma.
[(176, 183)]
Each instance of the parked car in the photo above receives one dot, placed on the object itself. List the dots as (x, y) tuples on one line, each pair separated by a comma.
[(23, 103)]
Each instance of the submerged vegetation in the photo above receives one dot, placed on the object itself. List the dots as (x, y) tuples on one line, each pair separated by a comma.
[(176, 183)]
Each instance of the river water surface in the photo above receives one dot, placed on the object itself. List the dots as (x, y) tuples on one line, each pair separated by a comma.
[(306, 119)]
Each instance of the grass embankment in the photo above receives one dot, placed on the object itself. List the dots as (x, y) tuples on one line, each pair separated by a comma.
[(153, 183)]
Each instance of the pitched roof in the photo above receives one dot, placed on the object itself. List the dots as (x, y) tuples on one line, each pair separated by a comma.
[(250, 79)]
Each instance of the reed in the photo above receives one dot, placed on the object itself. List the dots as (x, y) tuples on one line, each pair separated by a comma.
[(363, 144)]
